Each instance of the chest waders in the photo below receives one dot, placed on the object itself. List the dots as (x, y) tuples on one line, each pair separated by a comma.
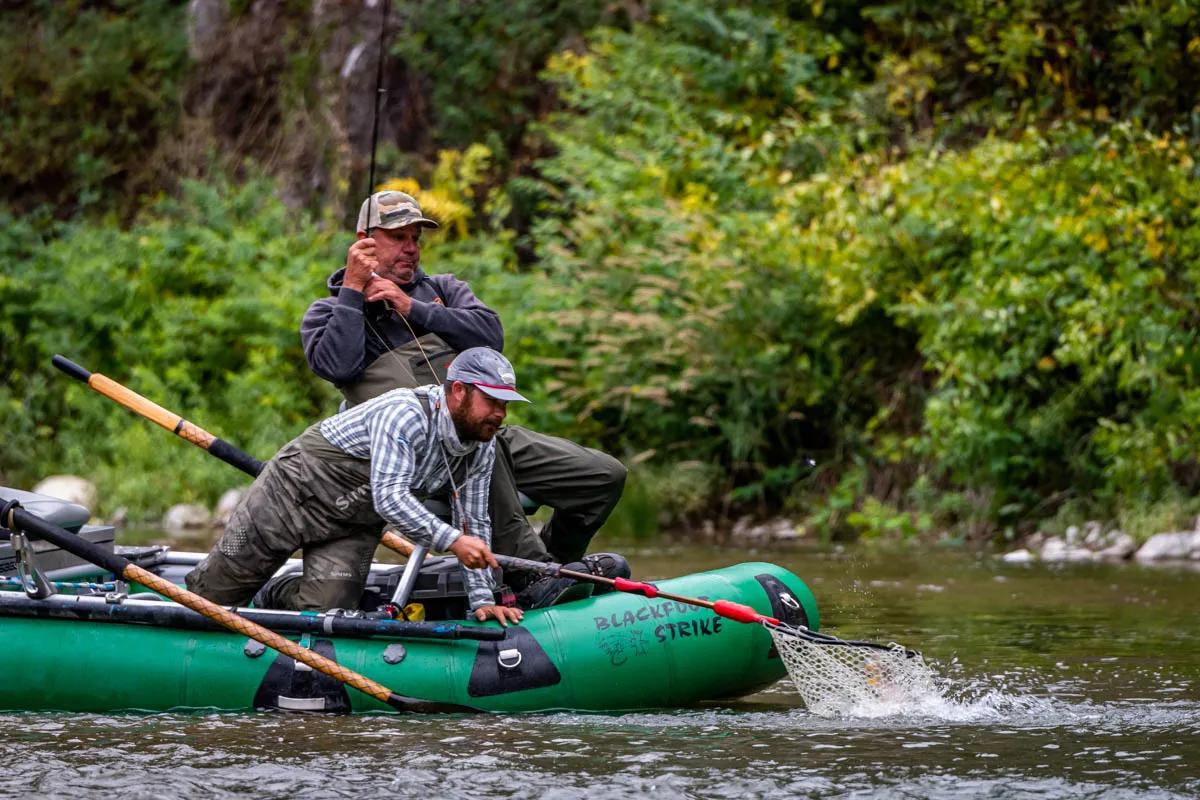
[(313, 497), (582, 485), (401, 367)]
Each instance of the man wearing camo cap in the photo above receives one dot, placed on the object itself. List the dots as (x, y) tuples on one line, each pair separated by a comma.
[(331, 491), (386, 323)]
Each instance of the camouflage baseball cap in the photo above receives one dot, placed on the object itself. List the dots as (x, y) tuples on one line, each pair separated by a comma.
[(487, 371), (391, 210)]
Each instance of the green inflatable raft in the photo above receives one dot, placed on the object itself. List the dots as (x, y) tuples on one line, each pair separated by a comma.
[(97, 645)]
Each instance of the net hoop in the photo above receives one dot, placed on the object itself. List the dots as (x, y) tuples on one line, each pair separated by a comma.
[(836, 677)]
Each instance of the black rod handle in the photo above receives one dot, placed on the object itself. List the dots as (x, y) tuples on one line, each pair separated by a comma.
[(71, 368)]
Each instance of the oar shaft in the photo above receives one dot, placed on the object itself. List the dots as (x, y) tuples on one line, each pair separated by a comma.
[(19, 519), (161, 416)]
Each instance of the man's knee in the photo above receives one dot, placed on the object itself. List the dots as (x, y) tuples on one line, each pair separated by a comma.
[(322, 595), (225, 581), (610, 473)]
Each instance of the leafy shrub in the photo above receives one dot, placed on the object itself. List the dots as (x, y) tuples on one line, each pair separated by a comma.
[(196, 307), (87, 91)]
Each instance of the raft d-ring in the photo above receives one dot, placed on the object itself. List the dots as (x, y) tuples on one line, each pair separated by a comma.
[(510, 658), (789, 601)]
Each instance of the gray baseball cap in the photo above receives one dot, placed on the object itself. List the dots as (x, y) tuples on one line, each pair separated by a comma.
[(392, 210), (488, 371)]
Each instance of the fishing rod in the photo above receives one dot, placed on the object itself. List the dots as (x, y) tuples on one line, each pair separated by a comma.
[(379, 92)]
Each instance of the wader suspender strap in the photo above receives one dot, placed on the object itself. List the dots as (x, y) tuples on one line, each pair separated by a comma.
[(455, 480), (386, 340), (408, 579)]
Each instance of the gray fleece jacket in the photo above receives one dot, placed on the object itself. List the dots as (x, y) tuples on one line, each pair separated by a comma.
[(334, 330)]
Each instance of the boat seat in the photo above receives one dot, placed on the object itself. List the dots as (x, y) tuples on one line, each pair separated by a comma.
[(71, 516)]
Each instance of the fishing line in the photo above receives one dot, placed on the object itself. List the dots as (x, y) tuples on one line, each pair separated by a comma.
[(379, 92)]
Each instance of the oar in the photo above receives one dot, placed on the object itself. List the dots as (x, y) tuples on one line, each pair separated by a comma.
[(161, 416), (14, 518), (738, 612)]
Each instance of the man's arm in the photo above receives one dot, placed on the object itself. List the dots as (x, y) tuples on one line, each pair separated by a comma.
[(395, 433), (474, 506), (334, 336), (461, 319)]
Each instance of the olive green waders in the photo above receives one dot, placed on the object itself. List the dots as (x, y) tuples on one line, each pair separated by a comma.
[(313, 497), (582, 485)]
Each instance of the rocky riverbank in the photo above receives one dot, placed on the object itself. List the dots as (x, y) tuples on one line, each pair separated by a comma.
[(1090, 542)]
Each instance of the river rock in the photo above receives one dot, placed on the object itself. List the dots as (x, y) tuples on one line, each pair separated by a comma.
[(1021, 556), (1117, 545), (186, 517), (1094, 537), (781, 530), (741, 529), (1056, 549), (773, 530), (71, 488), (225, 506), (1169, 546)]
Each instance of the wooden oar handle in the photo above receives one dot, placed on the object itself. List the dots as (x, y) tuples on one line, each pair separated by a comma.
[(161, 416), (397, 543), (150, 410)]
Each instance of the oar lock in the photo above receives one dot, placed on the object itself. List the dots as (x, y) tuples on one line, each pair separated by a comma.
[(32, 580)]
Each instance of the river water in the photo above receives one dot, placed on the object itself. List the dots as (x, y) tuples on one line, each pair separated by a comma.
[(1054, 681)]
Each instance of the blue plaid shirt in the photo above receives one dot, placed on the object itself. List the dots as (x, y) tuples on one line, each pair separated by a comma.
[(393, 432)]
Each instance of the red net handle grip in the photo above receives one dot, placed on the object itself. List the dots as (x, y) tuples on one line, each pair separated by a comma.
[(726, 608), (741, 613), (637, 587)]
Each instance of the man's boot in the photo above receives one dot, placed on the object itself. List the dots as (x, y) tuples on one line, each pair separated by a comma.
[(606, 565), (549, 591)]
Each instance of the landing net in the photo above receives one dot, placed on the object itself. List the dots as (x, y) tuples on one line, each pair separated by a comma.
[(839, 678)]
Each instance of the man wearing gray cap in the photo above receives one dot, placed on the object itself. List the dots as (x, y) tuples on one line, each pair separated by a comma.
[(388, 324), (331, 492)]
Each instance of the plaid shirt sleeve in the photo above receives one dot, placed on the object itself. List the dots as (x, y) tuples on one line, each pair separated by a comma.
[(397, 433), (481, 585)]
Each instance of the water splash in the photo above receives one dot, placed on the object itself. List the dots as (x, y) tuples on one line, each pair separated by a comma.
[(869, 683)]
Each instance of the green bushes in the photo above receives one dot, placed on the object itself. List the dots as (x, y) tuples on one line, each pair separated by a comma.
[(893, 268), (197, 307), (970, 338), (959, 68), (87, 92), (1051, 285)]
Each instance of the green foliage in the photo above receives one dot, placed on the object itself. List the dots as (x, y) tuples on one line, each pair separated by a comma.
[(87, 91), (195, 307), (480, 60), (958, 65), (733, 269), (1051, 283), (890, 266)]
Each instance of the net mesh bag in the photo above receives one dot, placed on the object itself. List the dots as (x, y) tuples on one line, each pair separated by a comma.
[(835, 677)]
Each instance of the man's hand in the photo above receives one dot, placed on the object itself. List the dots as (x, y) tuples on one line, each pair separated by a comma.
[(472, 552), (383, 289), (360, 263), (502, 614)]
